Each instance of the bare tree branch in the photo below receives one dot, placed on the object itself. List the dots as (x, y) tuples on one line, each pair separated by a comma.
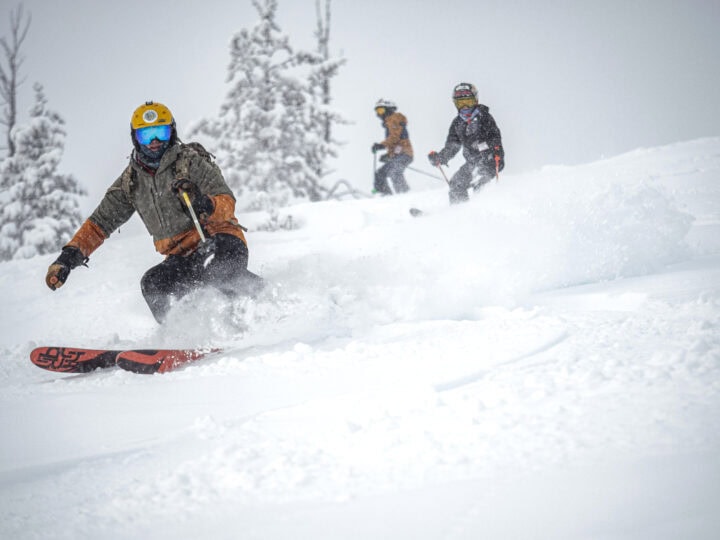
[(322, 33), (10, 71)]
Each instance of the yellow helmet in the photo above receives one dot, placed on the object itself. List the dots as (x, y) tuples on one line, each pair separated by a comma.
[(151, 114)]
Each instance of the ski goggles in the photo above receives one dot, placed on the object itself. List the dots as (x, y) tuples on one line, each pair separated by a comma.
[(148, 134), (379, 111), (465, 102)]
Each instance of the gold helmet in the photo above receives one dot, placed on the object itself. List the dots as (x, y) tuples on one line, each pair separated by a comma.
[(149, 121), (151, 114)]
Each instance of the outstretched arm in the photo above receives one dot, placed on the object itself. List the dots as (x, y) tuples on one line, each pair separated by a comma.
[(114, 210)]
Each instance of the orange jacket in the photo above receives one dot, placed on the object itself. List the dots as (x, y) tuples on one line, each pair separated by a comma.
[(397, 140)]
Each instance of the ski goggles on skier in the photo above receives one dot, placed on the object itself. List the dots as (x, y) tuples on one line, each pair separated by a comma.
[(379, 111), (465, 102), (148, 134)]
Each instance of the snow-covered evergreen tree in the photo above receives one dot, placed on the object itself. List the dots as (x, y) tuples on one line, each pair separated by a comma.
[(266, 138), (39, 208)]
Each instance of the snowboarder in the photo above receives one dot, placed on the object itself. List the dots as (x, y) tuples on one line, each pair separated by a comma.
[(399, 149), (181, 197), (475, 131)]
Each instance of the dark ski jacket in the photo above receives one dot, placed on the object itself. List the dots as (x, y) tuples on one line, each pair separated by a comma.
[(478, 140)]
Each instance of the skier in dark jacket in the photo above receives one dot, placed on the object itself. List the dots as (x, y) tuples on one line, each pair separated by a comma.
[(474, 130), (162, 177), (399, 150)]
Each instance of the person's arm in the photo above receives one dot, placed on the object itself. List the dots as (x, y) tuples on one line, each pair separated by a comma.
[(494, 140), (453, 144), (114, 210)]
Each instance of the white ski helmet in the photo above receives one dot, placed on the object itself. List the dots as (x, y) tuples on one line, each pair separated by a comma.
[(385, 103)]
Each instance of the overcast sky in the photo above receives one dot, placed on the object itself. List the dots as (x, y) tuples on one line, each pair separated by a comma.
[(567, 81)]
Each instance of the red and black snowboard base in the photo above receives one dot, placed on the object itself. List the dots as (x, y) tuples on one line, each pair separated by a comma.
[(146, 361)]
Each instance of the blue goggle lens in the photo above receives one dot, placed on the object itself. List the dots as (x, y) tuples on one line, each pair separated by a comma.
[(147, 134)]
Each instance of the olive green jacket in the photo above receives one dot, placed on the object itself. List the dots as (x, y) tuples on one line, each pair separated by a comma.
[(161, 210)]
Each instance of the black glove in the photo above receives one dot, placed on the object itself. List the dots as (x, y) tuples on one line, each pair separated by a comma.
[(436, 159), (58, 272), (180, 185), (377, 147), (202, 204)]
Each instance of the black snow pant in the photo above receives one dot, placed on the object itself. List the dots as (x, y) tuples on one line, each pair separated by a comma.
[(223, 266), (461, 180), (394, 168)]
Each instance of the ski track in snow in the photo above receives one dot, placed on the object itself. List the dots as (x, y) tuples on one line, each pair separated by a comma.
[(468, 379), (545, 358)]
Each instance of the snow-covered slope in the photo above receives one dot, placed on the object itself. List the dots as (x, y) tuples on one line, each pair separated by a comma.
[(543, 362)]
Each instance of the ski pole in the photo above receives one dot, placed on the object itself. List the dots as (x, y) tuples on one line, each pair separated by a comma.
[(443, 173), (186, 198), (425, 173)]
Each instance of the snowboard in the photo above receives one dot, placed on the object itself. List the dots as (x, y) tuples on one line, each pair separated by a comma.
[(145, 361)]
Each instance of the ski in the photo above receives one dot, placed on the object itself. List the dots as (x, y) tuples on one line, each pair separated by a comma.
[(71, 359), (144, 361), (151, 361)]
